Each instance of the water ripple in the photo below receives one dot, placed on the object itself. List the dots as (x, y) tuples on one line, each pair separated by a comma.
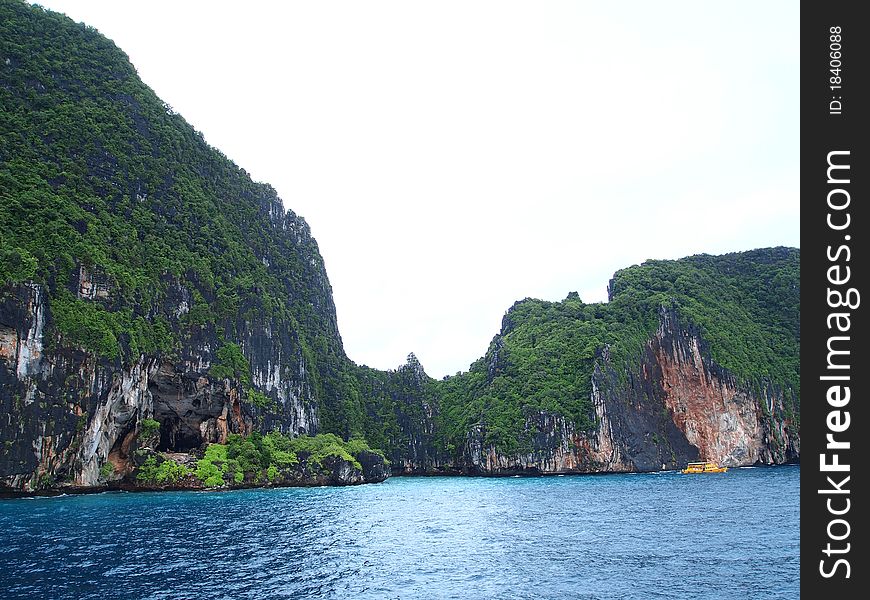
[(595, 537)]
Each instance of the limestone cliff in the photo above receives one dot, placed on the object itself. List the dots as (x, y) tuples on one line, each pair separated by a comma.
[(672, 406), (66, 412), (696, 358), (143, 275)]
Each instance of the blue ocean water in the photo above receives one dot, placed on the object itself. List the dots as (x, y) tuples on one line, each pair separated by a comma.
[(663, 535)]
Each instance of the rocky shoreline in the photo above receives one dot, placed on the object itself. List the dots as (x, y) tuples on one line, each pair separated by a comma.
[(333, 471), (338, 478)]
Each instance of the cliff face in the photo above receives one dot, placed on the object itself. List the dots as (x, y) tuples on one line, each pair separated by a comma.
[(401, 416), (63, 410), (727, 421), (145, 276), (678, 405), (692, 359), (142, 274), (67, 412), (672, 405), (75, 421)]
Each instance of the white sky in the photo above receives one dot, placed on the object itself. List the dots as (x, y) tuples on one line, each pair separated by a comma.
[(452, 157)]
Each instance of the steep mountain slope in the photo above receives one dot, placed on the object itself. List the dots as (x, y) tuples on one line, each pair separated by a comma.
[(694, 358), (142, 272)]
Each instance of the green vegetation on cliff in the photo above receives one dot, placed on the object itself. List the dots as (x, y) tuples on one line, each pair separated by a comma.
[(146, 239), (398, 404), (150, 242), (98, 172), (746, 306)]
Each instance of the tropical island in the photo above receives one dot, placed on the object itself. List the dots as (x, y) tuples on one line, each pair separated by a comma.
[(165, 322)]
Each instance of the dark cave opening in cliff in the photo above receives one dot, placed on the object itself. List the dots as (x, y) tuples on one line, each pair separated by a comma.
[(179, 410), (176, 435)]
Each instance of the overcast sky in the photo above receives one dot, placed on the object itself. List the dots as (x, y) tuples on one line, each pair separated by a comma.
[(453, 157)]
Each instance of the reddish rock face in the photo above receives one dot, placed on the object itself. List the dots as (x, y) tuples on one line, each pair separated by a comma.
[(721, 421), (725, 421), (675, 406), (8, 344)]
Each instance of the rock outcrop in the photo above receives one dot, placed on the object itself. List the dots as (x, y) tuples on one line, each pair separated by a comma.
[(142, 274), (145, 277), (332, 471), (672, 406), (66, 411)]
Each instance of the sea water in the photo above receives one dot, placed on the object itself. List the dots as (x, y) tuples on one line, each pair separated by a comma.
[(662, 535)]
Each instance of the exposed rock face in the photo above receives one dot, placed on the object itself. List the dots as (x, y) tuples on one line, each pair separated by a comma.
[(65, 411), (556, 448), (373, 467), (92, 286), (673, 406), (191, 409), (726, 421), (68, 414)]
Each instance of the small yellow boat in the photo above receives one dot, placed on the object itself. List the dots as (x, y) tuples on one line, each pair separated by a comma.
[(704, 467)]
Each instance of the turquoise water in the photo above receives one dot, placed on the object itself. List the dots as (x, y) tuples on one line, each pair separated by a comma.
[(662, 535)]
